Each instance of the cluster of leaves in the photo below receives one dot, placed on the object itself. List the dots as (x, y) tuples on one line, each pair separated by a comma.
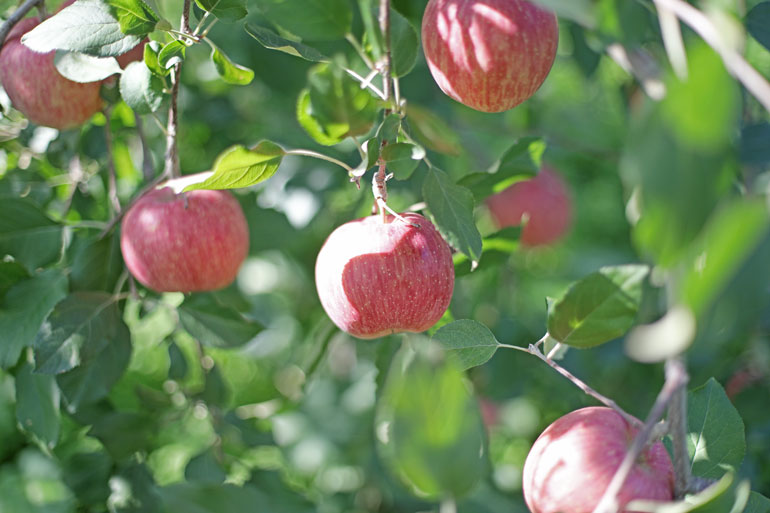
[(247, 397)]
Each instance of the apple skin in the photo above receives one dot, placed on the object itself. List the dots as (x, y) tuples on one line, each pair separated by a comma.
[(572, 462), (375, 278), (135, 54), (37, 89), (173, 244), (490, 55), (545, 203)]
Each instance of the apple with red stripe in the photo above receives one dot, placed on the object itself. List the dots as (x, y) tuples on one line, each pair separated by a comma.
[(376, 277), (490, 55)]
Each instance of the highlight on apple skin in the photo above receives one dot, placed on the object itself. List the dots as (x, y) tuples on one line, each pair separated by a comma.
[(194, 241), (490, 55), (375, 278), (37, 89), (573, 461), (542, 203)]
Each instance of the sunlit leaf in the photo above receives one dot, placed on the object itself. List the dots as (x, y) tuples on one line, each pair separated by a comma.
[(229, 71), (273, 41), (470, 341), (238, 167)]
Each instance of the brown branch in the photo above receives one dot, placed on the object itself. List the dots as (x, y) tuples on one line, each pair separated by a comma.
[(17, 15), (171, 161), (676, 380)]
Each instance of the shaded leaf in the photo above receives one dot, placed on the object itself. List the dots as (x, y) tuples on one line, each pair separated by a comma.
[(715, 441), (309, 19), (428, 424), (215, 325), (273, 41), (470, 341), (451, 207), (404, 44), (37, 404), (26, 305), (758, 23), (334, 107), (177, 368), (10, 274), (204, 468), (599, 308), (238, 167), (402, 158), (27, 234), (77, 331), (758, 503), (521, 161), (432, 131), (226, 10), (213, 498)]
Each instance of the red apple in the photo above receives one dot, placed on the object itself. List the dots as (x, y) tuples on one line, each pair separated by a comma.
[(542, 202), (135, 54), (375, 278), (573, 461), (185, 242), (37, 89), (490, 55)]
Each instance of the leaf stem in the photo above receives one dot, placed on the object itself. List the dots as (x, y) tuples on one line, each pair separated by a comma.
[(17, 15), (677, 418), (112, 181), (316, 155), (366, 83), (350, 38)]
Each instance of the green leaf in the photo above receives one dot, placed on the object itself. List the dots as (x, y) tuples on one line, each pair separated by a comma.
[(27, 234), (758, 23), (404, 44), (215, 325), (334, 107), (140, 89), (83, 68), (496, 250), (579, 11), (238, 167), (715, 441), (96, 263), (724, 496), (229, 71), (753, 142), (521, 161), (273, 41), (402, 158), (77, 331), (86, 26), (171, 54), (470, 341), (703, 111), (213, 498), (37, 405), (26, 305), (151, 53), (432, 131), (428, 424), (10, 274), (726, 243), (204, 468), (215, 390), (123, 433), (177, 368), (758, 503), (93, 380), (135, 17), (599, 308), (451, 207), (389, 129), (319, 20), (225, 10)]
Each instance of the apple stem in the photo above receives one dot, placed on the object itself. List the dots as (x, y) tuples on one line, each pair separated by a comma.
[(17, 15), (676, 381)]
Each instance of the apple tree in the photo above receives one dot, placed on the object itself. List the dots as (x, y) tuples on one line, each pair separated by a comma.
[(385, 256)]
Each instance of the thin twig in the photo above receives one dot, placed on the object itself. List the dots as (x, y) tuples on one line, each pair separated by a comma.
[(366, 83), (751, 79), (677, 418), (14, 18), (147, 168), (321, 156), (672, 40), (379, 186), (112, 180), (386, 63), (676, 379), (533, 350), (171, 161)]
